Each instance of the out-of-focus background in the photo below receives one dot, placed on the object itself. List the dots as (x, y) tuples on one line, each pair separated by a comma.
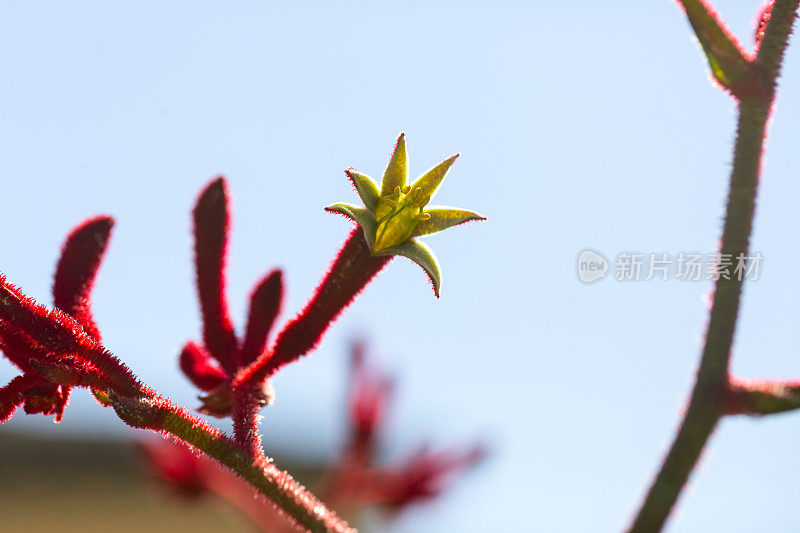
[(580, 125)]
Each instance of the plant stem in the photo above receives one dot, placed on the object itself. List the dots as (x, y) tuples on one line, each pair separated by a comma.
[(140, 407), (707, 404), (776, 39), (300, 505), (351, 271), (62, 334), (245, 420)]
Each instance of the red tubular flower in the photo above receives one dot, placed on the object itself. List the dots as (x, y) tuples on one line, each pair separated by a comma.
[(47, 399), (211, 221), (211, 237), (31, 332), (265, 305), (76, 270), (197, 364), (179, 467), (356, 481), (40, 395), (12, 395), (369, 395), (350, 272), (426, 475)]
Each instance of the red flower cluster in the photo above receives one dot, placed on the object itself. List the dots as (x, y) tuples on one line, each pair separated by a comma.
[(357, 480), (213, 365), (58, 349), (70, 344)]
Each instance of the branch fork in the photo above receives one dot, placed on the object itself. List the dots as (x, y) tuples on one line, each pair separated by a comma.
[(751, 79)]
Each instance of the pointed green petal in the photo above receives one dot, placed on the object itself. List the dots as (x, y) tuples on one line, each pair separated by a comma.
[(443, 218), (365, 187), (396, 174), (359, 215), (421, 255), (431, 180)]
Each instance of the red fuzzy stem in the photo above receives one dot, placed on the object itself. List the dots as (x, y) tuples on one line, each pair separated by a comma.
[(353, 268), (211, 237), (61, 334), (71, 375), (265, 304), (19, 348), (77, 268), (245, 422)]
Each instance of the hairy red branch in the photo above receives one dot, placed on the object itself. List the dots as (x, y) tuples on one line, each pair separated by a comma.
[(350, 272)]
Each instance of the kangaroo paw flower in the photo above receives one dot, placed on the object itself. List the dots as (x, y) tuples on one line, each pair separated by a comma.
[(211, 224), (77, 268), (396, 214), (197, 364)]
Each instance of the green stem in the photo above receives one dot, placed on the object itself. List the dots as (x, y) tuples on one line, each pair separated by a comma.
[(707, 404), (300, 505), (708, 397), (776, 38)]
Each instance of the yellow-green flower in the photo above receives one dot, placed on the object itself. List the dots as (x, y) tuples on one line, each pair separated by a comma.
[(394, 216)]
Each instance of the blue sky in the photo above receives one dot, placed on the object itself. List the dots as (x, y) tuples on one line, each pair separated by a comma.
[(580, 125)]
